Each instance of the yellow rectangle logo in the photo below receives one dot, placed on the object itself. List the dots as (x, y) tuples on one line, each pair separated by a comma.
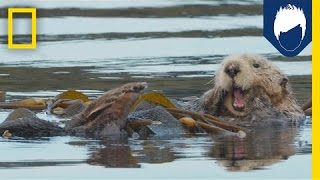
[(33, 12)]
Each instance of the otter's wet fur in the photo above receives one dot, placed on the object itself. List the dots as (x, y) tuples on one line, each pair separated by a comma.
[(249, 90), (108, 114), (265, 92)]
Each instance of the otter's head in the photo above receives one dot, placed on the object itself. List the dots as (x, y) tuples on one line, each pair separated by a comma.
[(244, 81)]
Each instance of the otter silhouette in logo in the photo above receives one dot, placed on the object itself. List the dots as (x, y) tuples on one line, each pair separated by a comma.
[(290, 27)]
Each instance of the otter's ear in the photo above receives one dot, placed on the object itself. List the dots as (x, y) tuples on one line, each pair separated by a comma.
[(284, 82)]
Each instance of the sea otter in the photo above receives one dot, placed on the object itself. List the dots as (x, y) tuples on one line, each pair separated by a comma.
[(252, 89), (104, 117), (248, 88)]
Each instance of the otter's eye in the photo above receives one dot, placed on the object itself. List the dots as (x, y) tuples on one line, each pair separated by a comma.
[(256, 65)]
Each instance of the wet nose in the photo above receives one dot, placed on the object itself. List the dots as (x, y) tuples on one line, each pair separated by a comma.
[(232, 70)]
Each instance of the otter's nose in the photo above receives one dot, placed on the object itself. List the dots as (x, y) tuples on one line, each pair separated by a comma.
[(232, 70)]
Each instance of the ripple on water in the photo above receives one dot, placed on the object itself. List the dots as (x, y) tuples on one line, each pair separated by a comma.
[(100, 52), (177, 47), (118, 3), (58, 26)]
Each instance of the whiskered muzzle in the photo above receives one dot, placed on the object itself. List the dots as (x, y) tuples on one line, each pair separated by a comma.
[(232, 70)]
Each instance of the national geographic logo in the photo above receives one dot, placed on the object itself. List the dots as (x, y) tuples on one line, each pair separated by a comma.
[(33, 12)]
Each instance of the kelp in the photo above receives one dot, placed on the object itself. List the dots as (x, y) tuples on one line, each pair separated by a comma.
[(192, 120), (207, 119), (307, 107), (69, 98), (2, 96), (207, 122), (72, 95), (156, 98), (6, 134), (32, 104), (135, 125), (62, 100)]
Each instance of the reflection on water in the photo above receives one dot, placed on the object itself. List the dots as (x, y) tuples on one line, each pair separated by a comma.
[(174, 45), (261, 149), (112, 153)]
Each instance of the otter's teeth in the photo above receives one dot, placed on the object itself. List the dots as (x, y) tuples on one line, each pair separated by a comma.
[(239, 101)]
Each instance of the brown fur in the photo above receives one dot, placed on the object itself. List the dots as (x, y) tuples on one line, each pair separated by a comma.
[(108, 114), (266, 89)]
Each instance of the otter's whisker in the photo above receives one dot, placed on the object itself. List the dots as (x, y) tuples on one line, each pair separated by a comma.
[(210, 82)]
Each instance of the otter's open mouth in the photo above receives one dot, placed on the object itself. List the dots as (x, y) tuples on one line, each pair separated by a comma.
[(239, 102)]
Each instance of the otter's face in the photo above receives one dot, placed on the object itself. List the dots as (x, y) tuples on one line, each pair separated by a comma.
[(244, 77)]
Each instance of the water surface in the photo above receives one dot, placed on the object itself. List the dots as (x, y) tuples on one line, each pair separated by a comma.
[(176, 46)]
